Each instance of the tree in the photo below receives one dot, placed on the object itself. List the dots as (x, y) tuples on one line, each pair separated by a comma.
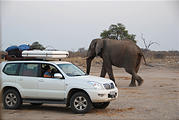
[(117, 32), (81, 50), (149, 44)]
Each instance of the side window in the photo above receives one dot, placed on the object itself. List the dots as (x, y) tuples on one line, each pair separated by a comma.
[(29, 69), (11, 69), (52, 70)]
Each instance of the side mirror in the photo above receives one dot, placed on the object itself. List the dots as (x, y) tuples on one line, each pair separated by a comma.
[(58, 75)]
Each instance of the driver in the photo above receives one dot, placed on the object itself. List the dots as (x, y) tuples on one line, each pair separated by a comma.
[(47, 73)]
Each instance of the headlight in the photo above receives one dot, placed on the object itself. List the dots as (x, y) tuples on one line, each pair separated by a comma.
[(96, 85), (108, 85)]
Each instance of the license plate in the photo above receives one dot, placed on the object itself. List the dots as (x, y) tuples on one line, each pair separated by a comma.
[(112, 93)]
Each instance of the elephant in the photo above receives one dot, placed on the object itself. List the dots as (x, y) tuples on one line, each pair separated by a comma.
[(120, 53)]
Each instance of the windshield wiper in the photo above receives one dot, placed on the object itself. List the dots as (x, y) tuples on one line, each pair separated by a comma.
[(76, 75), (79, 75)]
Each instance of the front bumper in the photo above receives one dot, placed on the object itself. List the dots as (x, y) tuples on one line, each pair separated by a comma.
[(102, 95)]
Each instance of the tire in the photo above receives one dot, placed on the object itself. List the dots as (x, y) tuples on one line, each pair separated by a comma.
[(80, 103), (11, 99), (36, 104), (102, 105)]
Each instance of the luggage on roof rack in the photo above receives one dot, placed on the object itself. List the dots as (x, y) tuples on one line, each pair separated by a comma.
[(17, 50), (14, 51), (39, 55), (45, 54)]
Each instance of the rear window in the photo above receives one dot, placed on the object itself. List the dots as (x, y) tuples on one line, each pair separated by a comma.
[(11, 69)]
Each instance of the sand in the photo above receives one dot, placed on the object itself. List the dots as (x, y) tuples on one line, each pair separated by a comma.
[(156, 99)]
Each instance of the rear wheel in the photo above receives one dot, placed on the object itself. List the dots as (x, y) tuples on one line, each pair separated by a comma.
[(101, 105), (80, 103), (11, 99)]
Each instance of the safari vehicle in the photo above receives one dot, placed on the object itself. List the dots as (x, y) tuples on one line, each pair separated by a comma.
[(23, 82)]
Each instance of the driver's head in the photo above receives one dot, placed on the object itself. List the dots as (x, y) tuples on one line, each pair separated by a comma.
[(47, 67)]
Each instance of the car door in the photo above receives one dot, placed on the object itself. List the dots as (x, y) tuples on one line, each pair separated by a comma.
[(51, 88), (29, 79)]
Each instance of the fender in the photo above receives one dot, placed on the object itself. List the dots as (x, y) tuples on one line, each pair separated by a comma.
[(73, 87), (14, 85)]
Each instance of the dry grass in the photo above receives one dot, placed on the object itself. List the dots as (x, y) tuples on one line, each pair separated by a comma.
[(169, 60), (79, 61)]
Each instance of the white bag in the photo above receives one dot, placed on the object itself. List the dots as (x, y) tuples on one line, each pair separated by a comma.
[(45, 54)]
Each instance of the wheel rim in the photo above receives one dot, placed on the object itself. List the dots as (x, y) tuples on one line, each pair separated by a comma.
[(80, 103), (11, 99)]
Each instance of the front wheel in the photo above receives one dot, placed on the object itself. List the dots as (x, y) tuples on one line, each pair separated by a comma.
[(80, 103), (101, 105), (11, 99)]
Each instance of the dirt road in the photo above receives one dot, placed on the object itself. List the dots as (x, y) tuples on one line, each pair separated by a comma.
[(156, 99)]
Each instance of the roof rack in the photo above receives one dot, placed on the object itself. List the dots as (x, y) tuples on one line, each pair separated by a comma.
[(38, 55), (14, 58)]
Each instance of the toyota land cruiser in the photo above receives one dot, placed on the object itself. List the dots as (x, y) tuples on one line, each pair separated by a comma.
[(23, 82)]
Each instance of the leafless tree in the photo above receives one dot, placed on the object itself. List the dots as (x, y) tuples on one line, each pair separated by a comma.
[(147, 45)]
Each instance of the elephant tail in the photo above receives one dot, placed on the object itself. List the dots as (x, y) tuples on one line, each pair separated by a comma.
[(145, 61)]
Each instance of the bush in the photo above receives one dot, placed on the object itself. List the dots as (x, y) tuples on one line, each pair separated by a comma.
[(159, 55)]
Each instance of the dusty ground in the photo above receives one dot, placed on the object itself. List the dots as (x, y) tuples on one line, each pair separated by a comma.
[(156, 99)]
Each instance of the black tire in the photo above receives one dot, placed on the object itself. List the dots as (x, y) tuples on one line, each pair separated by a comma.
[(11, 99), (80, 103), (36, 104), (101, 105)]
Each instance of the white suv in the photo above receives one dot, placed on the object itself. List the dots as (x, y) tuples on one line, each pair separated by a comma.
[(23, 81)]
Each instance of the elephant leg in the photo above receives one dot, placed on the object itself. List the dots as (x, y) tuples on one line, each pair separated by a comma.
[(132, 84), (138, 78), (108, 68), (103, 71)]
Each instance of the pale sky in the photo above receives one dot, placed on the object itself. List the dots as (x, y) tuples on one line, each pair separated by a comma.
[(73, 24)]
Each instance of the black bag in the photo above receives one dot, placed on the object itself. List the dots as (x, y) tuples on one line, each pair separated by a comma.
[(15, 53)]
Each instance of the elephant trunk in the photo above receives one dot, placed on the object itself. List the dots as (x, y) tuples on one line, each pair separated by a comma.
[(88, 63)]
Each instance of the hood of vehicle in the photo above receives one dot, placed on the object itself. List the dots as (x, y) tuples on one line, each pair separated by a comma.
[(93, 78)]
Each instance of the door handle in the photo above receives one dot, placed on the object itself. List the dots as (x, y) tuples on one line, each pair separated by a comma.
[(41, 80)]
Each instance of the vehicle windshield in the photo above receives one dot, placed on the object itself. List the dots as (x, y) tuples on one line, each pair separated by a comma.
[(71, 70)]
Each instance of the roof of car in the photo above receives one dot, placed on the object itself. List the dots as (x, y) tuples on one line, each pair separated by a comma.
[(37, 61)]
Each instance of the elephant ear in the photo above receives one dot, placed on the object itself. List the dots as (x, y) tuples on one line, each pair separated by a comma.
[(99, 46)]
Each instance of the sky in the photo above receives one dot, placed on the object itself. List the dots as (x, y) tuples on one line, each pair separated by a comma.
[(69, 25)]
